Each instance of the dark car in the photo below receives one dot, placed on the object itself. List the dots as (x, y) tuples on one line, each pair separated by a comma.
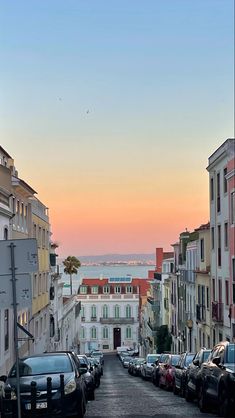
[(99, 355), (94, 370), (193, 374), (131, 365), (217, 383), (180, 373), (156, 368), (38, 368), (137, 366), (167, 371), (88, 377)]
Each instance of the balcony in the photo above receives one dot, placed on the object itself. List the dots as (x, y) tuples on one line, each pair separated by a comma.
[(94, 318), (83, 318), (201, 313), (217, 312), (121, 321)]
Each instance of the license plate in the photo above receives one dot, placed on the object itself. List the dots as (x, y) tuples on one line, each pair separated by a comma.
[(39, 405)]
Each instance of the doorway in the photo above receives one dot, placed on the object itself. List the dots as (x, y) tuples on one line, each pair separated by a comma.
[(116, 338)]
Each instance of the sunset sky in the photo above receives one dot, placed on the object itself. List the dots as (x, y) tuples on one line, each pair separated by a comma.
[(111, 110)]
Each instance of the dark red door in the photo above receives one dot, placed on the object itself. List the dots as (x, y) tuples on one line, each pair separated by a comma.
[(116, 337)]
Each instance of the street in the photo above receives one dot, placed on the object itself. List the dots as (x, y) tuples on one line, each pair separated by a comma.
[(123, 395)]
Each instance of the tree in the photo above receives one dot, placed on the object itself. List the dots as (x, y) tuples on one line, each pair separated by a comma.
[(72, 265), (164, 339)]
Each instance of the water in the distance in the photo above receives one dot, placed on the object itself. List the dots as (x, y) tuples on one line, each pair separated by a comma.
[(105, 271)]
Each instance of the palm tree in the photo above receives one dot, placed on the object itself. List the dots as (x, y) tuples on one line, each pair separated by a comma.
[(72, 265)]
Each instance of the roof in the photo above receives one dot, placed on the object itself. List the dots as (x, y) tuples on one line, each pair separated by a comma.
[(142, 283), (4, 152), (203, 227)]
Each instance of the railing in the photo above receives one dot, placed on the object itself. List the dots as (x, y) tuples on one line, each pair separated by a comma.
[(113, 320), (217, 311), (94, 318), (200, 313)]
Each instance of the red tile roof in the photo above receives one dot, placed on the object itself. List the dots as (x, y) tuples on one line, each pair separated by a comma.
[(143, 284)]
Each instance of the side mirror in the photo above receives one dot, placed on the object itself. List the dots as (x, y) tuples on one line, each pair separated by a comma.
[(216, 360), (152, 364), (196, 362), (82, 370)]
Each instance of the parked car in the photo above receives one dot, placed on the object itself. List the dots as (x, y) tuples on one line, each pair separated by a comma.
[(126, 361), (193, 374), (123, 354), (167, 371), (137, 366), (217, 380), (147, 366), (131, 364), (94, 370), (37, 368), (156, 368), (98, 354), (88, 377), (180, 373)]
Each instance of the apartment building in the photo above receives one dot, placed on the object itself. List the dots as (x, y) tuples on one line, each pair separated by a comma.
[(221, 181), (110, 310)]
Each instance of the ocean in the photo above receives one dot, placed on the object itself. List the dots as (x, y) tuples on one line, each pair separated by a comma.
[(104, 271)]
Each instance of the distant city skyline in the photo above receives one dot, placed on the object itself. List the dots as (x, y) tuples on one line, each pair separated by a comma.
[(111, 110)]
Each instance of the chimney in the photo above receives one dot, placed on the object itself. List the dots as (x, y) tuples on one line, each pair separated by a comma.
[(159, 259)]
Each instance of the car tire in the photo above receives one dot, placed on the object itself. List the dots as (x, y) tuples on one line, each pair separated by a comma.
[(202, 401), (92, 396), (81, 410), (188, 394), (175, 390)]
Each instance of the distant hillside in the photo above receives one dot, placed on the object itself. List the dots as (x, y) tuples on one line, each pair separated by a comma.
[(115, 258)]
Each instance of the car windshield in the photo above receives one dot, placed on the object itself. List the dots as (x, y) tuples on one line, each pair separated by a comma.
[(231, 354), (152, 359), (175, 360), (97, 353), (163, 358), (189, 359), (43, 365)]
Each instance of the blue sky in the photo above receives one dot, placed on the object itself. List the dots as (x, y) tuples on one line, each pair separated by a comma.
[(111, 91)]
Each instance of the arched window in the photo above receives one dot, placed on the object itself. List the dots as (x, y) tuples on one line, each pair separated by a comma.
[(82, 333), (105, 332), (93, 333), (105, 311), (5, 233), (83, 312), (117, 311), (128, 332), (93, 312), (128, 311)]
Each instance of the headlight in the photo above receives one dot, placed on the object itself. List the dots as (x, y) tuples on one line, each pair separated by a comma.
[(70, 387), (13, 395)]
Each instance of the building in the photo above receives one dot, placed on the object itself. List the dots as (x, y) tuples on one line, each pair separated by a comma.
[(110, 309), (221, 183)]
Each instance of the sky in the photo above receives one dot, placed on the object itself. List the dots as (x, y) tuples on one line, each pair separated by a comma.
[(111, 109)]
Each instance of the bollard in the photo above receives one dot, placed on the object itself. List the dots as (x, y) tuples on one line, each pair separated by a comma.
[(62, 394), (49, 395), (33, 398)]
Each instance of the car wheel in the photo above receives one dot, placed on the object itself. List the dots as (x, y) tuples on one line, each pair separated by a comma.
[(224, 407), (202, 401), (188, 395), (92, 396), (81, 410)]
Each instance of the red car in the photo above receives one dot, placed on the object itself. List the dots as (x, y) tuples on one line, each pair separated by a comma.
[(167, 371)]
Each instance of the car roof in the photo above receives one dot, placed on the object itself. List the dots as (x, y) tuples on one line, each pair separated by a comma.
[(46, 355)]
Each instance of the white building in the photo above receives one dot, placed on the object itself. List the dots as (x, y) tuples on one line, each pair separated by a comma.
[(219, 224), (109, 313)]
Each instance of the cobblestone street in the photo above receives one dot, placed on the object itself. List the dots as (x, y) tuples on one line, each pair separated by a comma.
[(123, 395)]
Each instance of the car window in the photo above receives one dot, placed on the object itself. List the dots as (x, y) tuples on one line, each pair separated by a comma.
[(175, 360), (43, 365), (205, 356), (151, 358), (231, 354), (214, 352), (221, 353), (189, 359)]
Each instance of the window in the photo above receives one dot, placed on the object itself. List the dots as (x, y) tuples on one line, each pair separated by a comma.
[(128, 311), (6, 329), (233, 269), (213, 289), (227, 292), (128, 289), (34, 231), (233, 208), (35, 286), (5, 234), (225, 180), (105, 311), (117, 311), (106, 289), (226, 235), (94, 289), (82, 333), (128, 332), (93, 312), (43, 238), (83, 290), (117, 289), (219, 246), (208, 341), (218, 192), (93, 333), (105, 333), (212, 238), (39, 236), (212, 189), (207, 298), (83, 311), (202, 249)]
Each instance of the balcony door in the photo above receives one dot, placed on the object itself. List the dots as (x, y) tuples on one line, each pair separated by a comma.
[(116, 338)]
